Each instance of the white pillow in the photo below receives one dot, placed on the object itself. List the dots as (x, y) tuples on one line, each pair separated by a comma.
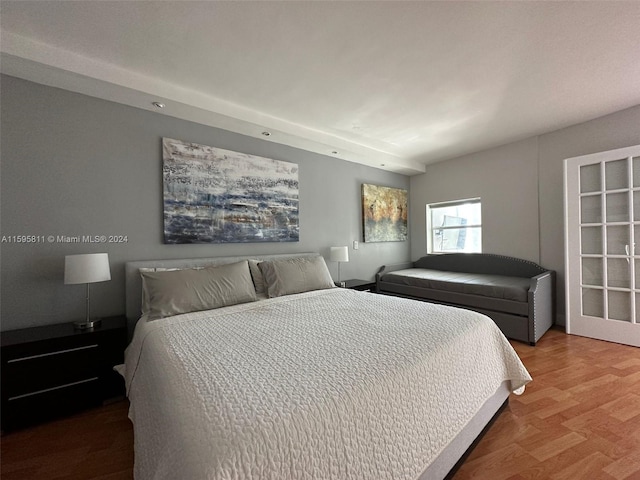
[(295, 275), (172, 292)]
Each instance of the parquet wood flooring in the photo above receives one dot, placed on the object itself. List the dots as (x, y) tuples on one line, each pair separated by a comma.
[(579, 419)]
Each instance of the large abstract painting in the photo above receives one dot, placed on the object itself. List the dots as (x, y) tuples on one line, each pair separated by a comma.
[(213, 195), (384, 213)]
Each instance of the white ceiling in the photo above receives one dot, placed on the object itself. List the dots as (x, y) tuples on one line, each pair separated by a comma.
[(397, 83)]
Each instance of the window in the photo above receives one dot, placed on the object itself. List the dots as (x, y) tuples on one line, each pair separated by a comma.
[(454, 227)]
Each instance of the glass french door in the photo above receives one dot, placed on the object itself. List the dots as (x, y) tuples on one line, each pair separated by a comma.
[(602, 229)]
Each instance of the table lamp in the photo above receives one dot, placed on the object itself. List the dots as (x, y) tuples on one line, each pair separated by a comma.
[(86, 268), (339, 254)]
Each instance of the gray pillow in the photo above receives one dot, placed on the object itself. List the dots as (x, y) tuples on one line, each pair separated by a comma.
[(295, 275), (190, 290), (145, 300), (256, 274)]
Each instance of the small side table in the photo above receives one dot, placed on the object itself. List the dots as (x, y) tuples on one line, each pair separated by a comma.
[(362, 285), (56, 370)]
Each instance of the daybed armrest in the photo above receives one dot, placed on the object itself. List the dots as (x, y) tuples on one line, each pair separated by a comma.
[(541, 304), (392, 268)]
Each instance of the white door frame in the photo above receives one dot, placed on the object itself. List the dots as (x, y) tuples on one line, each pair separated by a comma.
[(619, 331)]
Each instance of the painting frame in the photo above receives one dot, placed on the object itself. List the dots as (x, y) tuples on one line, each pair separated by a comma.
[(212, 195), (384, 214)]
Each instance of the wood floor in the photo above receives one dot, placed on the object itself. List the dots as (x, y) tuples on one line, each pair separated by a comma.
[(579, 419)]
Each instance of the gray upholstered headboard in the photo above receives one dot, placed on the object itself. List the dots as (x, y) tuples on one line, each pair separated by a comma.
[(133, 281)]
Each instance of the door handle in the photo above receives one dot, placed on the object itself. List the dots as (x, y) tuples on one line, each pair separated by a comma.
[(633, 251)]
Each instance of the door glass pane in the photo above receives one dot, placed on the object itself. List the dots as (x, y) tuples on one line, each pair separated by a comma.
[(637, 274), (618, 273), (618, 207), (592, 303), (590, 178), (618, 240), (591, 240), (592, 271), (636, 206), (590, 209), (619, 305), (616, 174), (636, 172)]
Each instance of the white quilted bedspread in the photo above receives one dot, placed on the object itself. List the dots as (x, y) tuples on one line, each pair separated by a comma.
[(331, 384)]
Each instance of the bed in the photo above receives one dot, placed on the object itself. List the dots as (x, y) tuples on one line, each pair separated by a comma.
[(302, 380)]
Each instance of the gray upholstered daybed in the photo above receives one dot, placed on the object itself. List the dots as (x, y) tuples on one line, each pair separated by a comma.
[(517, 294)]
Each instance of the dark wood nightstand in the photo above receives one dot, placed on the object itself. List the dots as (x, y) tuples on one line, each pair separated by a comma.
[(56, 370), (362, 285)]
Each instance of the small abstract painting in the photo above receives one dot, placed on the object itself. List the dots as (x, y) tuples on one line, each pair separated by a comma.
[(384, 213), (213, 195)]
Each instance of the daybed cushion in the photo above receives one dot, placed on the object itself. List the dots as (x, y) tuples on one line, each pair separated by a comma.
[(173, 292), (486, 285), (295, 275)]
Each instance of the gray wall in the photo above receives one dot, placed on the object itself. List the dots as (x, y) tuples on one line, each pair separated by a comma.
[(621, 129), (76, 165), (521, 186), (504, 178)]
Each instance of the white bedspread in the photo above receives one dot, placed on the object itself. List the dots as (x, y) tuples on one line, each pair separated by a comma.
[(331, 384)]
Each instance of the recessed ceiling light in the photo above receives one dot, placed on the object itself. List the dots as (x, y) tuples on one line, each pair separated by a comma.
[(158, 104), (266, 134)]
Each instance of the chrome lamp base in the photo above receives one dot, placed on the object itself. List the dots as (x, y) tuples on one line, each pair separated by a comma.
[(87, 324)]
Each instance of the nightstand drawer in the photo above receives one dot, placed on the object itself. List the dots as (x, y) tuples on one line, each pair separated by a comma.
[(35, 407), (23, 374), (106, 339)]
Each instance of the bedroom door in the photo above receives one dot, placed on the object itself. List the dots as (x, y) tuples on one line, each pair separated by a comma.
[(602, 229)]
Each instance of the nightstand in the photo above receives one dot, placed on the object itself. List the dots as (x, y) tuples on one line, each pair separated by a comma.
[(362, 285), (56, 370)]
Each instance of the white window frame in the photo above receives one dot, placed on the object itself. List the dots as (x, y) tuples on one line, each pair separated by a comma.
[(454, 203)]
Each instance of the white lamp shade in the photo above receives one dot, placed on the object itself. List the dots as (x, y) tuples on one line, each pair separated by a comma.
[(86, 268), (339, 254)]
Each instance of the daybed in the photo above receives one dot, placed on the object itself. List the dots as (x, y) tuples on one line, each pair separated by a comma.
[(296, 379), (517, 294)]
